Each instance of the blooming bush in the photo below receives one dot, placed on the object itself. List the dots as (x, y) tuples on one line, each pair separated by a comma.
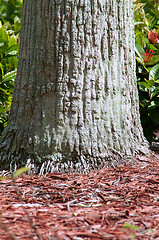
[(147, 57), (153, 37)]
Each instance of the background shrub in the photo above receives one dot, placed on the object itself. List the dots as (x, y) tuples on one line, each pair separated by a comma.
[(147, 56), (10, 10), (10, 14)]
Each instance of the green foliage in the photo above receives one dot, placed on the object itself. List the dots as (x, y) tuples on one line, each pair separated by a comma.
[(10, 10), (147, 57), (9, 48), (131, 226), (132, 229), (10, 24)]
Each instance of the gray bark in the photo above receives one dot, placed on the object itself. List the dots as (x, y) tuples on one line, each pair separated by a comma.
[(75, 100)]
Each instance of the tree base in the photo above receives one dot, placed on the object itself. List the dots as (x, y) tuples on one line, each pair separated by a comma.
[(59, 163)]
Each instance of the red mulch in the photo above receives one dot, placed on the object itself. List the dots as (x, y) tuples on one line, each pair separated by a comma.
[(120, 203)]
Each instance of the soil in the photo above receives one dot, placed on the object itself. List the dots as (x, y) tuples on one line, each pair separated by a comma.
[(117, 203)]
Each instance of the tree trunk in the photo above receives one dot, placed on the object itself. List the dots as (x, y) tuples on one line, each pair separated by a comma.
[(75, 101)]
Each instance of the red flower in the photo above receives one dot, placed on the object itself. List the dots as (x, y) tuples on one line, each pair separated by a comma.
[(153, 37), (147, 55)]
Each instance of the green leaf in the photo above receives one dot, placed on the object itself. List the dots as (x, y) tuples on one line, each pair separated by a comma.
[(154, 59), (15, 61), (144, 86), (139, 23), (12, 41), (153, 104), (154, 72), (20, 172), (150, 82), (1, 68), (139, 60), (5, 25), (155, 92), (3, 90), (144, 103), (3, 36), (139, 51), (11, 54), (9, 76), (154, 23), (152, 47), (14, 47), (131, 226)]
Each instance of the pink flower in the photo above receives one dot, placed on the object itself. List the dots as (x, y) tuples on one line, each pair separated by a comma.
[(153, 37), (147, 55)]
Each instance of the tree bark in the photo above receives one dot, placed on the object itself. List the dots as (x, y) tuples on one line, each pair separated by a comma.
[(75, 101)]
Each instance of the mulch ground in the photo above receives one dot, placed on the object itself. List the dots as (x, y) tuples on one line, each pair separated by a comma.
[(119, 203)]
